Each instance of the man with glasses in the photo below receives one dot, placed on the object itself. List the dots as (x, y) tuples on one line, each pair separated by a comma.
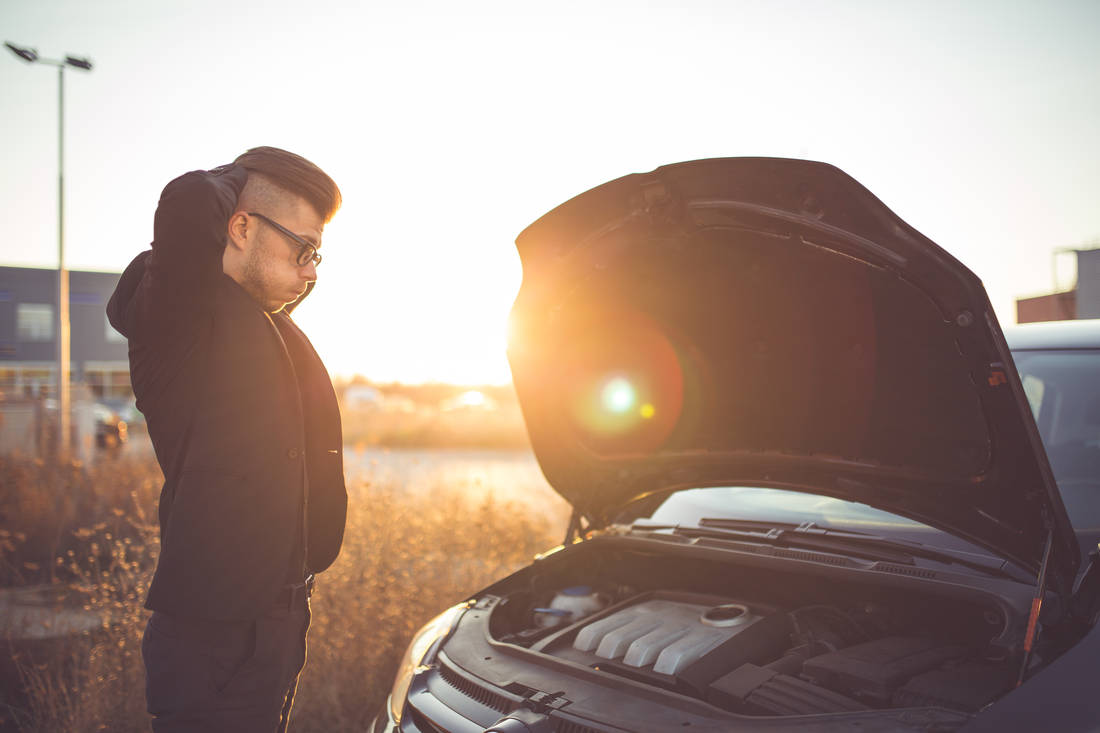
[(245, 425)]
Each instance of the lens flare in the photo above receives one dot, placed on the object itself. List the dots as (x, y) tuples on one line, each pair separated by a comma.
[(618, 395), (622, 379)]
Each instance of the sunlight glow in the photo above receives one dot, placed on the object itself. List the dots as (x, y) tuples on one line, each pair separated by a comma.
[(618, 395), (420, 266), (469, 400), (455, 334)]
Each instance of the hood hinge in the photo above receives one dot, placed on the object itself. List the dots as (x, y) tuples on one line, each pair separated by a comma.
[(576, 530)]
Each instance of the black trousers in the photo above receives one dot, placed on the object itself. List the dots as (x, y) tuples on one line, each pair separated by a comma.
[(224, 675)]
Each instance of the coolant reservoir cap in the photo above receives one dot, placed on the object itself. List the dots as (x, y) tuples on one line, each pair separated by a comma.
[(728, 614), (577, 590)]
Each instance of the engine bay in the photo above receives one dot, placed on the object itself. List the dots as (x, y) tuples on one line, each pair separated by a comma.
[(754, 640), (808, 660)]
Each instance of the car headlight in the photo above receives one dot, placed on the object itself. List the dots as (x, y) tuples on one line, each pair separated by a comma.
[(416, 655)]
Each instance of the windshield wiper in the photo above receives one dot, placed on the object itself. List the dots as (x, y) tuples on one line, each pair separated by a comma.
[(846, 542)]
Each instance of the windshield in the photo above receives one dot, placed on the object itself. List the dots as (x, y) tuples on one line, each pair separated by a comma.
[(1063, 390), (687, 507)]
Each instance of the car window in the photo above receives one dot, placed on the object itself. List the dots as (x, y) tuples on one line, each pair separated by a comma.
[(1063, 390), (777, 505), (1033, 389)]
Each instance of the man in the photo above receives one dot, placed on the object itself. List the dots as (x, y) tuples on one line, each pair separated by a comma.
[(245, 425)]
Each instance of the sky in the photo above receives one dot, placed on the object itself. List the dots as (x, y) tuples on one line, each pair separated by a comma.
[(451, 126)]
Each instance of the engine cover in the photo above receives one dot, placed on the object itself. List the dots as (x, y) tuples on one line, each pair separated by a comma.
[(666, 635)]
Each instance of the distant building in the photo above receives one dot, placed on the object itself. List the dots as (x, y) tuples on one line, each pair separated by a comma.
[(1088, 283), (28, 333), (1083, 301), (1053, 307)]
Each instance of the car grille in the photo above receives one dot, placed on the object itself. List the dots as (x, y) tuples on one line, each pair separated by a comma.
[(423, 724), (902, 570), (492, 700), (474, 691)]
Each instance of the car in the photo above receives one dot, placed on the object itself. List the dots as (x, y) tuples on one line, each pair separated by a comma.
[(363, 397), (112, 419), (808, 475)]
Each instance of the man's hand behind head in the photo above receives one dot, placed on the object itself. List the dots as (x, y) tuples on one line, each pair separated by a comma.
[(229, 179)]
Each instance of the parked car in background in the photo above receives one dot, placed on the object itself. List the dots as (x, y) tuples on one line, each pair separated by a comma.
[(1059, 368), (362, 397), (809, 481), (111, 429)]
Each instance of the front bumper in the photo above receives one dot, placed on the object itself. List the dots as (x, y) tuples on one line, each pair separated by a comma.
[(382, 722), (443, 700)]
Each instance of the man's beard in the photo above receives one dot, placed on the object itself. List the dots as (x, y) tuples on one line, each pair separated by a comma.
[(255, 284)]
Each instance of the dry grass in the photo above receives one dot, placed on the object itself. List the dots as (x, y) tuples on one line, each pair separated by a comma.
[(43, 503), (406, 556), (94, 680), (502, 428), (404, 560)]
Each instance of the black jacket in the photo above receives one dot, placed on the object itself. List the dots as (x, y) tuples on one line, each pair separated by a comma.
[(241, 412)]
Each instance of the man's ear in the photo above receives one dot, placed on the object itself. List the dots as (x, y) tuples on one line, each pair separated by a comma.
[(238, 232)]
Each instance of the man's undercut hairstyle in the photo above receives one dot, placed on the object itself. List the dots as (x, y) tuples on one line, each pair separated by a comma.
[(296, 175)]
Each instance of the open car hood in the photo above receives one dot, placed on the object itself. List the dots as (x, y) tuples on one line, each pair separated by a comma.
[(769, 322)]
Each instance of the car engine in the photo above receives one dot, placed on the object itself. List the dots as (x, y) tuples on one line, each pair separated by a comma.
[(761, 660), (799, 645)]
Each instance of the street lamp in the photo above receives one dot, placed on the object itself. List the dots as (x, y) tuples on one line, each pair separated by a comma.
[(64, 403)]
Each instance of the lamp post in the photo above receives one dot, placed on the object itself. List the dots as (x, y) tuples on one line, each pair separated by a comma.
[(64, 403)]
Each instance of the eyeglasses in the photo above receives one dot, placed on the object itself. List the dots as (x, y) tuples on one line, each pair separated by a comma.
[(307, 251)]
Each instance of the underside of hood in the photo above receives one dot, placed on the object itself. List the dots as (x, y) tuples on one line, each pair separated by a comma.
[(768, 322)]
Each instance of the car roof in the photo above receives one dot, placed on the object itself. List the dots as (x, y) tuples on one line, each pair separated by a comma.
[(1083, 334)]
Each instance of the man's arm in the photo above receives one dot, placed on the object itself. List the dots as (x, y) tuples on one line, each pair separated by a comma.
[(189, 237)]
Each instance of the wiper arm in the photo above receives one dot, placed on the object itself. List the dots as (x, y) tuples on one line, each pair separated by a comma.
[(848, 542), (751, 524), (773, 533), (790, 538), (910, 549)]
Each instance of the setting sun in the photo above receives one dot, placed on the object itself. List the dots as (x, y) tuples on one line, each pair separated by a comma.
[(382, 312)]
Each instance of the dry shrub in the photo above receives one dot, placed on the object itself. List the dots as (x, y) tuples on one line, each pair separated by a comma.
[(405, 559), (94, 679), (406, 556), (43, 503)]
